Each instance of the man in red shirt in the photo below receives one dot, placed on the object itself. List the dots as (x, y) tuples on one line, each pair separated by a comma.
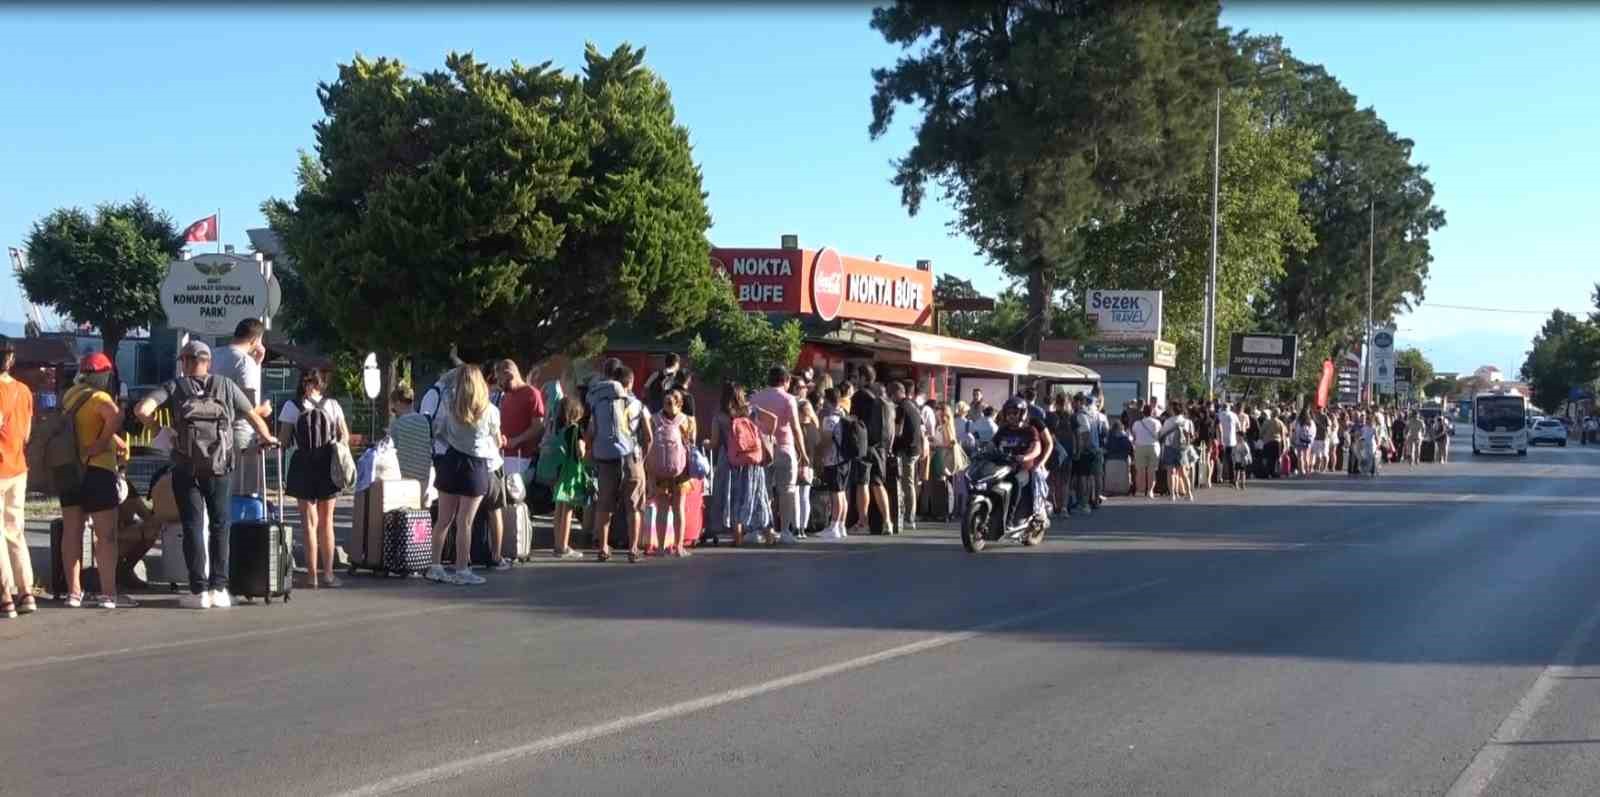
[(522, 414)]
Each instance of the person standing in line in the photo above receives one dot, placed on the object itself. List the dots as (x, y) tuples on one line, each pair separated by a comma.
[(662, 382), (984, 428), (1146, 451), (877, 412), (739, 489), (1272, 437), (1228, 436), (522, 414), (975, 410), (571, 490), (907, 447), (1441, 440), (669, 479), (619, 434), (316, 424), (240, 361), (469, 426), (93, 496), (787, 455), (202, 464), (1177, 442), (1416, 429), (834, 469), (1081, 424), (946, 458), (1060, 420), (16, 425), (811, 442), (1305, 433)]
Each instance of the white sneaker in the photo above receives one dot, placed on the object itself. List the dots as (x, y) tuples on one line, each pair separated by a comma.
[(437, 574), (201, 601), (220, 599), (570, 555), (468, 577), (787, 538), (830, 533)]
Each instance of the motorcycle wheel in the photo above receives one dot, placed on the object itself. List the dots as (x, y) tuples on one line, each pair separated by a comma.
[(1035, 533), (974, 526)]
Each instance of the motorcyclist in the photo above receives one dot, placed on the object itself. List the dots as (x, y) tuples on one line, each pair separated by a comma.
[(1019, 440)]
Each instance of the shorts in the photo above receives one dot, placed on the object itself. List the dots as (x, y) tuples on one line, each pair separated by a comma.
[(837, 478), (784, 470), (1171, 457), (873, 469), (456, 473), (621, 485), (1088, 465), (98, 492), (1319, 448), (669, 488), (1146, 457)]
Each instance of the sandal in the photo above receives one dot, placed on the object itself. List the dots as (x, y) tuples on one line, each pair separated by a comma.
[(604, 556), (682, 553), (27, 605), (634, 557)]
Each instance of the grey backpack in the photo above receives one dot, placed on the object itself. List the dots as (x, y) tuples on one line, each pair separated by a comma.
[(203, 423)]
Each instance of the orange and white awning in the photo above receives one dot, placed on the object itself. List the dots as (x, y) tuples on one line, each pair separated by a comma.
[(928, 349)]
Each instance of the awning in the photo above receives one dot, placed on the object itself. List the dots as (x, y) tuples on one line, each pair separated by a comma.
[(1066, 371), (930, 349)]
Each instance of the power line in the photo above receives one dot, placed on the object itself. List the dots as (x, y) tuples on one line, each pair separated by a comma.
[(1427, 305)]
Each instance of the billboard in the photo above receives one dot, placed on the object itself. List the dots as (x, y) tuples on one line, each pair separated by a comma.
[(1262, 356), (1348, 379), (1125, 315), (1383, 358)]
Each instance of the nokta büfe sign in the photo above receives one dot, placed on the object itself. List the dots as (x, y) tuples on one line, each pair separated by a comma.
[(828, 284)]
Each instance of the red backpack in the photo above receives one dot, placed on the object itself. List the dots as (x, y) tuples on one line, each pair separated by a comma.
[(744, 449), (668, 457)]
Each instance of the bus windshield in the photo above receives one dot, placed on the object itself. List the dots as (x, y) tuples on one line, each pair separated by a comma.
[(1496, 413)]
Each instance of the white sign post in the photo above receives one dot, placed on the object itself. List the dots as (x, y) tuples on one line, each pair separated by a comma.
[(1125, 315), (1383, 359), (210, 294)]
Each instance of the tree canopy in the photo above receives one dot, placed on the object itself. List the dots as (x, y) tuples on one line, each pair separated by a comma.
[(1421, 369), (1564, 355), (103, 269), (1039, 118), (741, 346), (518, 211)]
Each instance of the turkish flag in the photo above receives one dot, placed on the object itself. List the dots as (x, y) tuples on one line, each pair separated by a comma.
[(1325, 384), (202, 231)]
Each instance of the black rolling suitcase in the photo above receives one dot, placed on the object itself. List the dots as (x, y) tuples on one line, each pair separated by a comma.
[(941, 500), (88, 577), (260, 561), (1429, 451)]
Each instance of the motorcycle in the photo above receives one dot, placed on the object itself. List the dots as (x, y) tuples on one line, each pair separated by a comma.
[(993, 497)]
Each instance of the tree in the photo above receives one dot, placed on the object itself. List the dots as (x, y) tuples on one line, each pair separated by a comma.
[(1165, 241), (515, 211), (742, 345), (1439, 388), (1421, 369), (1565, 354), (1359, 165), (1042, 118), (104, 270)]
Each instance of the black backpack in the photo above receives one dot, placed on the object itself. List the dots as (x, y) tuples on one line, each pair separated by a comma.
[(881, 420), (203, 422), (315, 428), (852, 439)]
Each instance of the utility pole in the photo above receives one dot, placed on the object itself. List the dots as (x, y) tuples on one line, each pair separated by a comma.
[(1372, 248), (1209, 334)]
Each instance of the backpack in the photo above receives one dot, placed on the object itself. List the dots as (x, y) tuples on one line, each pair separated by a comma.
[(203, 424), (744, 443), (552, 455), (668, 457), (438, 393), (613, 429), (53, 450), (883, 423), (315, 428), (852, 443)]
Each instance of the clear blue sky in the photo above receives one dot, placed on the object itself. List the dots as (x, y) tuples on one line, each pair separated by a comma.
[(203, 109)]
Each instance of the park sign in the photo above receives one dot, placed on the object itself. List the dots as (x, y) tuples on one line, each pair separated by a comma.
[(1262, 356), (1125, 315), (1159, 353), (211, 293)]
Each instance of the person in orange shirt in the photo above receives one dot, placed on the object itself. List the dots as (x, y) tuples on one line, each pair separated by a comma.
[(16, 423)]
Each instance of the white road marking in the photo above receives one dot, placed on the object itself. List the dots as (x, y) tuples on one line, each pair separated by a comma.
[(1467, 497), (1481, 771), (479, 763)]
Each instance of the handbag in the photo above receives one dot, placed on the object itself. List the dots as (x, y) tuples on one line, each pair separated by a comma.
[(343, 466)]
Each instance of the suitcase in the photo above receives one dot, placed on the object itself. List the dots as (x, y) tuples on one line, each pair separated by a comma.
[(174, 567), (517, 543), (248, 508), (369, 518), (694, 512), (480, 542), (260, 561), (941, 500), (1117, 477), (88, 577), (1429, 451), (406, 544), (1202, 469)]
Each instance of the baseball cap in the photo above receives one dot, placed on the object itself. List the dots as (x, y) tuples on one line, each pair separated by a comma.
[(94, 363), (196, 350)]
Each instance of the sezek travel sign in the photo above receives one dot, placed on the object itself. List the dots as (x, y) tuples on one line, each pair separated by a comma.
[(212, 293), (1125, 315)]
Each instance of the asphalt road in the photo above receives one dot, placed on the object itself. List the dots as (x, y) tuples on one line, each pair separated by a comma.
[(1430, 632)]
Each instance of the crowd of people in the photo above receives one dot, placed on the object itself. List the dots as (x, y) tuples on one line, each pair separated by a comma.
[(802, 457)]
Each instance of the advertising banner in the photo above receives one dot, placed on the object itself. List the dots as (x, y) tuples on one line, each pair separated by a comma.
[(1349, 379), (1383, 359), (1263, 356), (1125, 315)]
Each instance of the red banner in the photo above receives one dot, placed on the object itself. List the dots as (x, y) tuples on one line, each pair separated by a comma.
[(202, 231), (1325, 384)]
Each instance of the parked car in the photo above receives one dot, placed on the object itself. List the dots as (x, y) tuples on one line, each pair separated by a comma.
[(1548, 431)]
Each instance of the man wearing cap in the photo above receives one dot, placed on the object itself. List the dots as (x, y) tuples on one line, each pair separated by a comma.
[(196, 484), (90, 491), (16, 423)]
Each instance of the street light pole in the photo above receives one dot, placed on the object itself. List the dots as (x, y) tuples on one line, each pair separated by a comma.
[(1209, 334), (1372, 247)]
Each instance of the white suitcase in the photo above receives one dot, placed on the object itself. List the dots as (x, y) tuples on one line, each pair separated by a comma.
[(173, 568)]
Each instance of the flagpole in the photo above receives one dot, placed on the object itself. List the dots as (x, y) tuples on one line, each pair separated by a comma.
[(219, 231)]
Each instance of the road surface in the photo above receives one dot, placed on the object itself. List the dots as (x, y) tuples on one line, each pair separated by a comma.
[(1430, 632)]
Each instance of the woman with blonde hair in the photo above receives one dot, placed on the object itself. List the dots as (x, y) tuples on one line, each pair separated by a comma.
[(469, 427)]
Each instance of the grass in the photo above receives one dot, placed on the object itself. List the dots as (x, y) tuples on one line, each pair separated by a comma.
[(41, 508)]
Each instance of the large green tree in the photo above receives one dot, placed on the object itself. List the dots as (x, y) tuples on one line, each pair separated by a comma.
[(1041, 117), (1165, 241), (1363, 173), (1565, 354), (739, 347), (103, 269), (1006, 324), (516, 211)]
